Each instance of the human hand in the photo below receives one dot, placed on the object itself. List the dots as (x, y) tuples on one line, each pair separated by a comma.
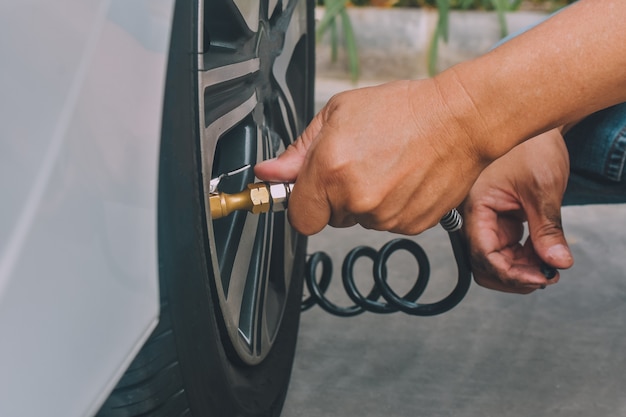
[(525, 184), (393, 157)]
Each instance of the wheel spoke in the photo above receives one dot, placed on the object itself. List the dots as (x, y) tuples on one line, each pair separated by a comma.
[(252, 305), (240, 271), (214, 131), (226, 73), (250, 12), (279, 277), (287, 124), (294, 35), (271, 7)]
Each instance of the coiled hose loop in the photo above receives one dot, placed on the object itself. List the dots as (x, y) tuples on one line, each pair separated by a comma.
[(391, 302)]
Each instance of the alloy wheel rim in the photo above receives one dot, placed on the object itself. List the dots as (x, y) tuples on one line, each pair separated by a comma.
[(252, 75)]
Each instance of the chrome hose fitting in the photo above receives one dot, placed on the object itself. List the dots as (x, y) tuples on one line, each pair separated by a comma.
[(279, 195)]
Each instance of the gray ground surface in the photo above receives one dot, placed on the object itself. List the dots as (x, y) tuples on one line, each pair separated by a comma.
[(559, 351), (556, 352)]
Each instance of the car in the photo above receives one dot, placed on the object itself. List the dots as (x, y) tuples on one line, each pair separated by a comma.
[(120, 295)]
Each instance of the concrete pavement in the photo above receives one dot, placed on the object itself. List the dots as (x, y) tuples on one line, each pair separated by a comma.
[(559, 351)]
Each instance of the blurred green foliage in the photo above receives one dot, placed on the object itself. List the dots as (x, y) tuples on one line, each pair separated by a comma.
[(500, 6), (463, 4), (335, 11)]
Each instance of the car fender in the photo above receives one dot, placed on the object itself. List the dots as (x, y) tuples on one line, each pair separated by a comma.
[(82, 88)]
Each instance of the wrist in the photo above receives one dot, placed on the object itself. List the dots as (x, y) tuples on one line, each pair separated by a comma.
[(478, 112)]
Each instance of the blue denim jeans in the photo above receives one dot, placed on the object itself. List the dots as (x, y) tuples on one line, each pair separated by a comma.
[(597, 151)]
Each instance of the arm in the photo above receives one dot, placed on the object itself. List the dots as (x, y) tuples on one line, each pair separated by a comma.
[(560, 71), (398, 156)]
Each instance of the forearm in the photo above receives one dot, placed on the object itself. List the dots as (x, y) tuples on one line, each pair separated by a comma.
[(564, 69)]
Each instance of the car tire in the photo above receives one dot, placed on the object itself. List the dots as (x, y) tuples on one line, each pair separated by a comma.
[(239, 89)]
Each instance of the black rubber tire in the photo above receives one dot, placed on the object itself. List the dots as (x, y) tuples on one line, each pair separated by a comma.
[(186, 367)]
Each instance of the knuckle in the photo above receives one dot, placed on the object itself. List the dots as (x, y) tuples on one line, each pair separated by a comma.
[(412, 229), (383, 225), (299, 147), (551, 228), (363, 203), (336, 99)]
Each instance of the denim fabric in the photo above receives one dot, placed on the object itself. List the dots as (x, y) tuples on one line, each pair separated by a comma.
[(597, 151), (597, 144), (583, 190)]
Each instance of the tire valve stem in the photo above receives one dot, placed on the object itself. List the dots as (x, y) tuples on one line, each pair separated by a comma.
[(259, 197), (215, 182)]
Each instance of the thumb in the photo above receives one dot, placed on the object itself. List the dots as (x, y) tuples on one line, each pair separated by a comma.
[(546, 233), (285, 167)]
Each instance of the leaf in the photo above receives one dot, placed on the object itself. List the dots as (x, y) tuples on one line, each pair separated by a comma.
[(433, 53), (443, 6), (441, 31), (334, 41), (351, 46), (501, 8), (333, 8)]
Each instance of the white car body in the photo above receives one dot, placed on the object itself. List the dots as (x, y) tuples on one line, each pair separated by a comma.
[(81, 92)]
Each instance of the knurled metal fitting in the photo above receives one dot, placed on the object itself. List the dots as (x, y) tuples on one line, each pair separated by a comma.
[(260, 196)]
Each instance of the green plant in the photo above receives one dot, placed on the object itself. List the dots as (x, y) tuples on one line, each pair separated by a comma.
[(336, 9), (500, 6), (442, 28)]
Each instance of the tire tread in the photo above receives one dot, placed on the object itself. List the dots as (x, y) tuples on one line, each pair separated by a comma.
[(152, 385)]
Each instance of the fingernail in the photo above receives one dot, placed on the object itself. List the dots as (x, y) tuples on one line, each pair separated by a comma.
[(559, 252)]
